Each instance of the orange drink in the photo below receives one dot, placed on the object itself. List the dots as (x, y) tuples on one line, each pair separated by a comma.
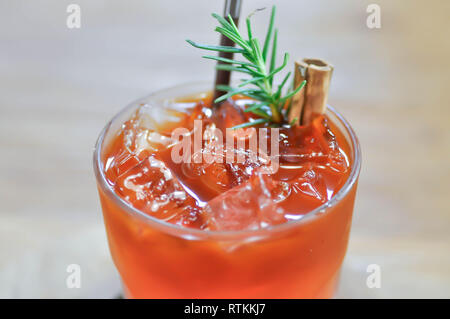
[(217, 228)]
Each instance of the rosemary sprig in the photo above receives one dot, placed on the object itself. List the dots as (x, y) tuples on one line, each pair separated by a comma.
[(256, 63)]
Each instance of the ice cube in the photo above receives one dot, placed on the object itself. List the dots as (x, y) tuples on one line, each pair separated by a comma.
[(214, 175), (251, 205), (191, 216), (312, 145), (151, 187), (149, 142), (135, 145), (229, 115), (311, 183), (119, 163), (220, 176), (159, 118), (303, 188), (328, 144), (150, 128), (137, 140)]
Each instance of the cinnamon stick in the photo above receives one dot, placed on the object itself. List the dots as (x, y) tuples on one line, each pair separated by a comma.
[(312, 99)]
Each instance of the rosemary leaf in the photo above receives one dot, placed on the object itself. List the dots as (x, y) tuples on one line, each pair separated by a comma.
[(229, 67), (254, 106), (223, 87), (274, 53), (261, 113), (250, 81), (291, 94), (286, 58), (230, 94), (223, 21), (271, 102), (249, 29), (269, 34), (249, 124), (219, 48), (225, 60)]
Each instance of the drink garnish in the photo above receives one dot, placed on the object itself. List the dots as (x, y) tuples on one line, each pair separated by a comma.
[(270, 102)]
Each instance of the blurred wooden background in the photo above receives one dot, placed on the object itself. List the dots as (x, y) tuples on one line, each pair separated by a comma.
[(59, 86)]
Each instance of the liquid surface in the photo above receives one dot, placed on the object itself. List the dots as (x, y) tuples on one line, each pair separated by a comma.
[(221, 195)]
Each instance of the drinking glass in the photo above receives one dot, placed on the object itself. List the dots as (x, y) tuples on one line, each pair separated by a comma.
[(297, 259)]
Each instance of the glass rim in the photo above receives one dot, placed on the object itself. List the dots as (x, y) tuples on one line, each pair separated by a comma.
[(192, 233)]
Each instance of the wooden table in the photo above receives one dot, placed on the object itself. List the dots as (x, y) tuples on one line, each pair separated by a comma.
[(59, 86)]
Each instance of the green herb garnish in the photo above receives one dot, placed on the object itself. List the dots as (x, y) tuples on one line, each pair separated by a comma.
[(256, 63)]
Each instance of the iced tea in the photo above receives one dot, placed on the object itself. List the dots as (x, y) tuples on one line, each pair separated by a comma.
[(218, 229)]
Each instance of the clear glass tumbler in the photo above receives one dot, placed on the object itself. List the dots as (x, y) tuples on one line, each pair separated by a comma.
[(298, 259)]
